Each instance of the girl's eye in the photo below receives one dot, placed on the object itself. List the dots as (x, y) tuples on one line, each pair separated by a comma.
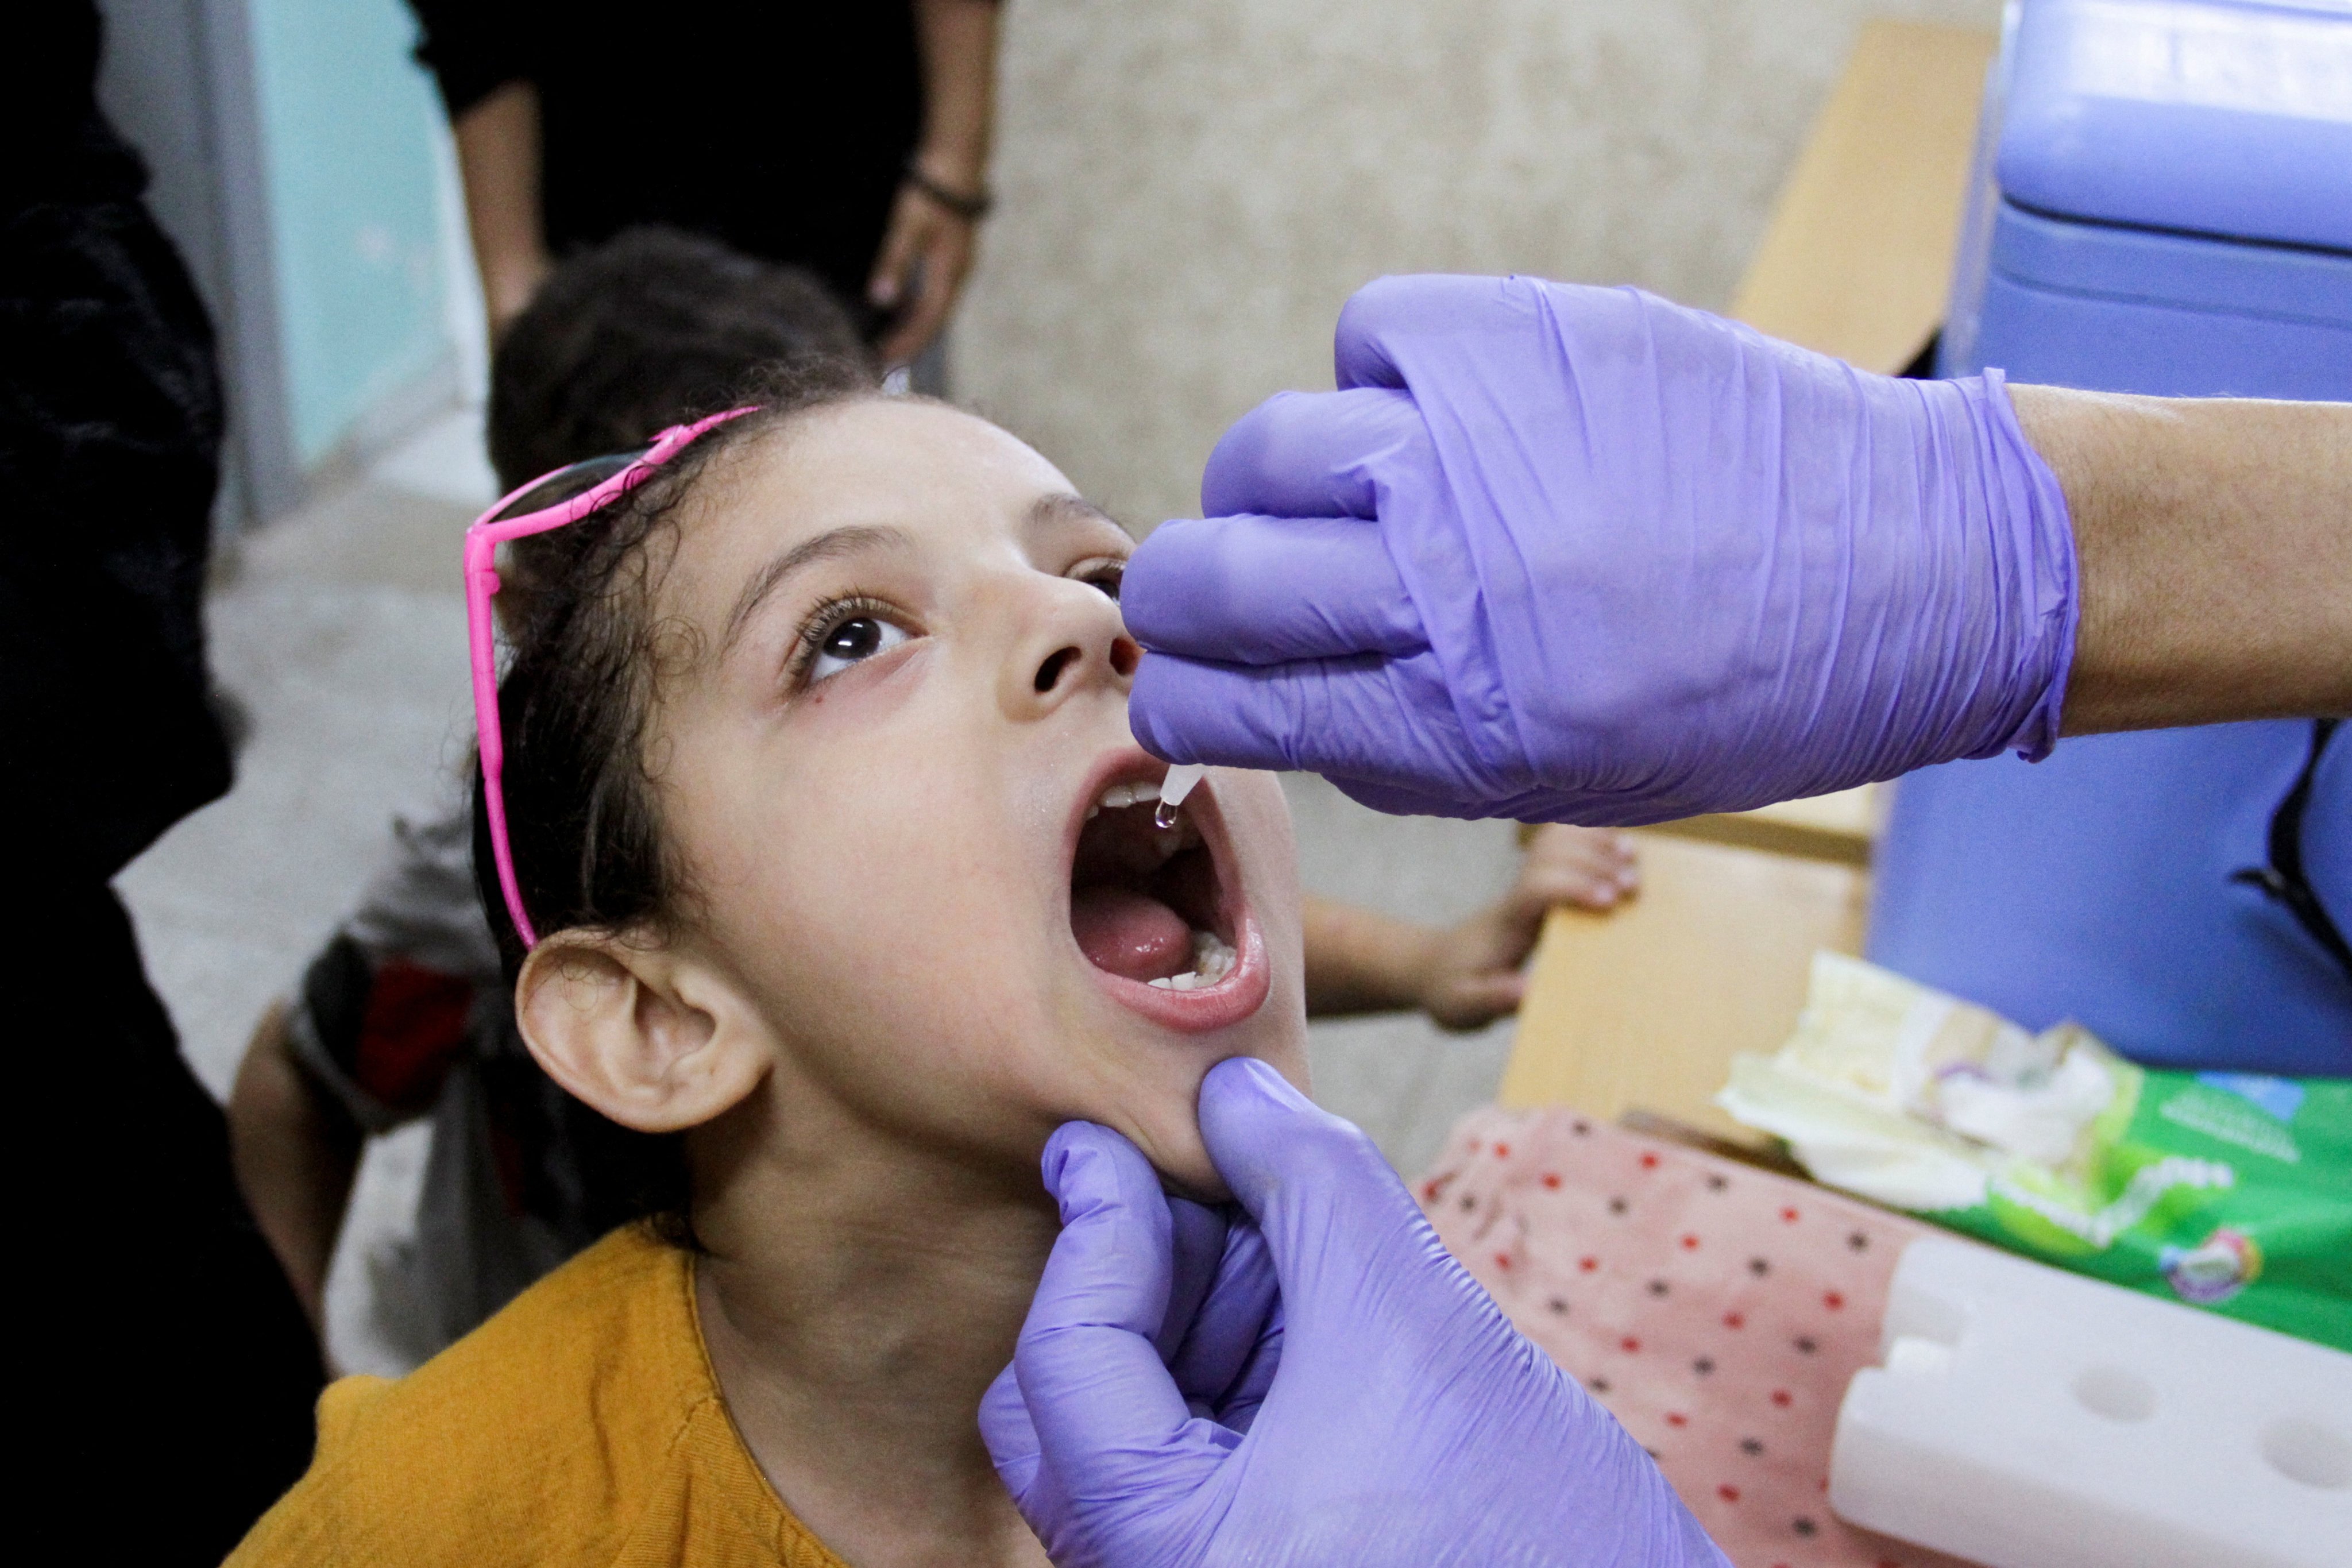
[(1105, 575), (854, 641)]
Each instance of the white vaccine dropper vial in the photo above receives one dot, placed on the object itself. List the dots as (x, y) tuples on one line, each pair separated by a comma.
[(1174, 788)]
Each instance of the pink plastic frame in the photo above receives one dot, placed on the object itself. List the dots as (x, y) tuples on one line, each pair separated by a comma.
[(482, 540)]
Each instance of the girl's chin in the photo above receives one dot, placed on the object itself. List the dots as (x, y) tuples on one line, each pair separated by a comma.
[(1173, 1144), (1195, 1179)]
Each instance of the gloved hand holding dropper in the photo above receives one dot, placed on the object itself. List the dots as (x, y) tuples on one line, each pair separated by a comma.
[(1568, 554), (1574, 554)]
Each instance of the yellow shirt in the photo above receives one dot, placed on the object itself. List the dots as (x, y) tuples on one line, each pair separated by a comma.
[(582, 1425)]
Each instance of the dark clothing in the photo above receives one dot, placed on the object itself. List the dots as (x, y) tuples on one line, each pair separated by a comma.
[(780, 129), (109, 441), (174, 1348), (59, 147), (175, 1334)]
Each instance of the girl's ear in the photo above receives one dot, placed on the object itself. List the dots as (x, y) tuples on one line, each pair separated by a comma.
[(645, 1035)]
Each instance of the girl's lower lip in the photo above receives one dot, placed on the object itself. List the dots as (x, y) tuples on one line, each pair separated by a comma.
[(1230, 1001)]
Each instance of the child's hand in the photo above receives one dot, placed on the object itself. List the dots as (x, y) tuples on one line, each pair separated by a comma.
[(1473, 975), (1464, 977)]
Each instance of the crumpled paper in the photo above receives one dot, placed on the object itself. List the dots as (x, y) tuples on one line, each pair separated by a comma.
[(2230, 1191), (1912, 1098)]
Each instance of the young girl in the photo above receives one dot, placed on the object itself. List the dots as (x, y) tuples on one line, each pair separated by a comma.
[(404, 1012), (848, 889)]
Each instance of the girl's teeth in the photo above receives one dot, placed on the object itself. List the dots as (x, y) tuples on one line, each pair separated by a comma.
[(1212, 960), (1119, 795)]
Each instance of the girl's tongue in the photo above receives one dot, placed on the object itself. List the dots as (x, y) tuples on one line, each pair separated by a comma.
[(1129, 933)]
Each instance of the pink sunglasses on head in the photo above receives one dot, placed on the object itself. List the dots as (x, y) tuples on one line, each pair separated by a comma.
[(549, 501)]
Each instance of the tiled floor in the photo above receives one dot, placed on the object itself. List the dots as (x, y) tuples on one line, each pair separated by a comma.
[(342, 631)]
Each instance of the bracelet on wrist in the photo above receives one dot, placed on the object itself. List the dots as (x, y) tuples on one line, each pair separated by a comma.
[(969, 205)]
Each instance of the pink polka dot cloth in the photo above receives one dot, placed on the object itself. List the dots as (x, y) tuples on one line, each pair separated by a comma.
[(1717, 1309)]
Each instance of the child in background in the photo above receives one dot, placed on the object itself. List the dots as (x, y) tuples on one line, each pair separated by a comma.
[(404, 1014)]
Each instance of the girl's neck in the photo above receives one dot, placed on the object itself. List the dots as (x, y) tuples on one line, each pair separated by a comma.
[(858, 1300)]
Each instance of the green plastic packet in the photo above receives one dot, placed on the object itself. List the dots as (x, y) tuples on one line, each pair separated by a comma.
[(2230, 1192)]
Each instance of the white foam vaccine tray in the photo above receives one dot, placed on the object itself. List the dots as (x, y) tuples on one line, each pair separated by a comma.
[(2027, 1417)]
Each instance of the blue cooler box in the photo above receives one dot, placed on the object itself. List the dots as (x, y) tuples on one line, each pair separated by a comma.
[(2162, 202)]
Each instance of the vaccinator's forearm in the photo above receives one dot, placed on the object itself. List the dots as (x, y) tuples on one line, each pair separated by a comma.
[(2214, 541)]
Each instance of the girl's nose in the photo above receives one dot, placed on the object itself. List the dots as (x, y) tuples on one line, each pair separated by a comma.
[(1062, 661), (1078, 644)]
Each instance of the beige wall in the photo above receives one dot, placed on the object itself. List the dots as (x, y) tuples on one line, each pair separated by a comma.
[(1190, 188)]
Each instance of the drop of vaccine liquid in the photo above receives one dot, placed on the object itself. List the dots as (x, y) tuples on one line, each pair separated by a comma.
[(1165, 817)]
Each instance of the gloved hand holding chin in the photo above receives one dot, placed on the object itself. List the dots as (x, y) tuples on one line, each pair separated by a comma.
[(1318, 1383)]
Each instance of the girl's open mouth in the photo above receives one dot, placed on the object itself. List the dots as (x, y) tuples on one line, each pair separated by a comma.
[(1154, 909)]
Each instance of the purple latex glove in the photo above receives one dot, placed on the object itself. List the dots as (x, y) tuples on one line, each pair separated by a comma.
[(1405, 1421), (1568, 554)]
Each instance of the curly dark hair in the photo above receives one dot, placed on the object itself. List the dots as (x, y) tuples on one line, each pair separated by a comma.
[(629, 337), (574, 706)]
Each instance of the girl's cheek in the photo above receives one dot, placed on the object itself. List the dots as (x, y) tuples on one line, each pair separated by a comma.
[(872, 692)]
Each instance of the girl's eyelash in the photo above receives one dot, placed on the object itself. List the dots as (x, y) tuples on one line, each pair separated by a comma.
[(828, 618)]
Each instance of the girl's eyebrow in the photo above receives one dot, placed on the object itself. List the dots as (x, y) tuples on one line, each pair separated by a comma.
[(856, 539), (1063, 506)]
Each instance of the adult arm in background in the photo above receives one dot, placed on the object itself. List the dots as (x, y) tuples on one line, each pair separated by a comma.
[(1344, 1393), (479, 52), (927, 249), (498, 161), (1465, 975), (1569, 554)]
